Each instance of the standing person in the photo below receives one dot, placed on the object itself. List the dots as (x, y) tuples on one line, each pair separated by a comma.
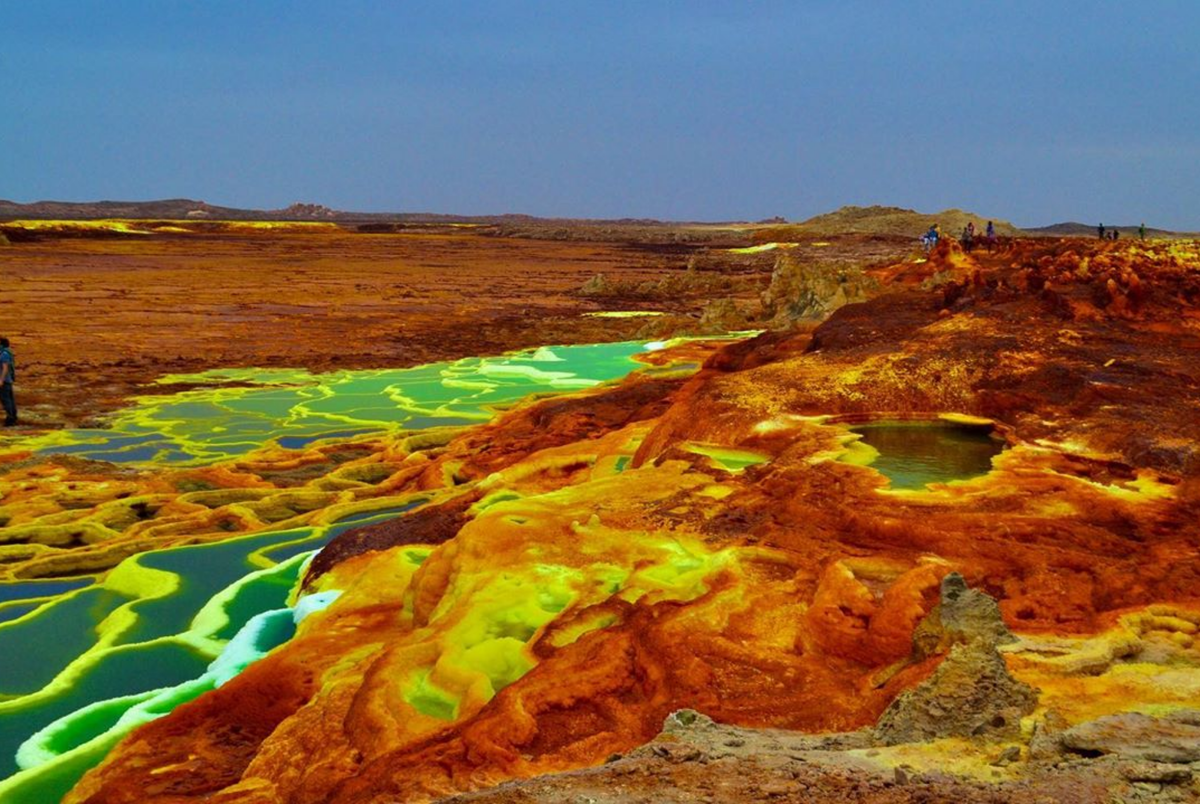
[(1142, 231), (930, 238), (1100, 229), (8, 375), (991, 236)]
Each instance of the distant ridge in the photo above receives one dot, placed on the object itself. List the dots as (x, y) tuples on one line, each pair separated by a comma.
[(871, 220), (1076, 229), (185, 208), (171, 208)]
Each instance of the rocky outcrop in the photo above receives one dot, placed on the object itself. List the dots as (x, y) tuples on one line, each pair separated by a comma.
[(598, 285), (697, 760), (1173, 738), (671, 286), (811, 290), (303, 211), (723, 315)]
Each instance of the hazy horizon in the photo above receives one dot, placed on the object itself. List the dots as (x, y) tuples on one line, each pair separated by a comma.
[(452, 213), (675, 111)]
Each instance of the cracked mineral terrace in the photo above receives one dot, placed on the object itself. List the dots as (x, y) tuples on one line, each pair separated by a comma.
[(932, 537)]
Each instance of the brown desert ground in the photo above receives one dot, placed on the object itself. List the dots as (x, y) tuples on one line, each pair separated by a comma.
[(93, 319)]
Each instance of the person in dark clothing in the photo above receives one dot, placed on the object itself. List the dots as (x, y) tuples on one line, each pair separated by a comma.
[(991, 236), (1116, 234), (1100, 229), (1142, 231), (8, 375)]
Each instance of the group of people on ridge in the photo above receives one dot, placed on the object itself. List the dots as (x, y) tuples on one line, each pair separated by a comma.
[(931, 237), (1113, 234)]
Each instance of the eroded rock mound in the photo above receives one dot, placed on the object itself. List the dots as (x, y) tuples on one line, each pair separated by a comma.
[(963, 615), (972, 693)]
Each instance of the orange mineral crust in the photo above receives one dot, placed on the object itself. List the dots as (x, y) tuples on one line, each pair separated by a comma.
[(586, 566)]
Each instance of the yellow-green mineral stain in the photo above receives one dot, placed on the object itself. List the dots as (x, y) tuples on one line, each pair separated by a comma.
[(763, 247), (728, 458), (624, 314), (429, 699)]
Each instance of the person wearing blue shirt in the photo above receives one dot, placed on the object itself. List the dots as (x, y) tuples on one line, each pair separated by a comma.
[(930, 238), (8, 375)]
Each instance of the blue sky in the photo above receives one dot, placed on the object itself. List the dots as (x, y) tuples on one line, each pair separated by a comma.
[(1030, 111)]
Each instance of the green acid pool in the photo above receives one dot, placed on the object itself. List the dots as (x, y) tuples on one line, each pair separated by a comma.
[(142, 640), (235, 411)]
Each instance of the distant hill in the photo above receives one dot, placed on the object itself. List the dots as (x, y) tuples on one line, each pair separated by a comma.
[(873, 220), (80, 219), (188, 209), (1076, 229), (878, 220)]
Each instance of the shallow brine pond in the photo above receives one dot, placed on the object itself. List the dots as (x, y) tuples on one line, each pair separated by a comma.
[(912, 454)]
